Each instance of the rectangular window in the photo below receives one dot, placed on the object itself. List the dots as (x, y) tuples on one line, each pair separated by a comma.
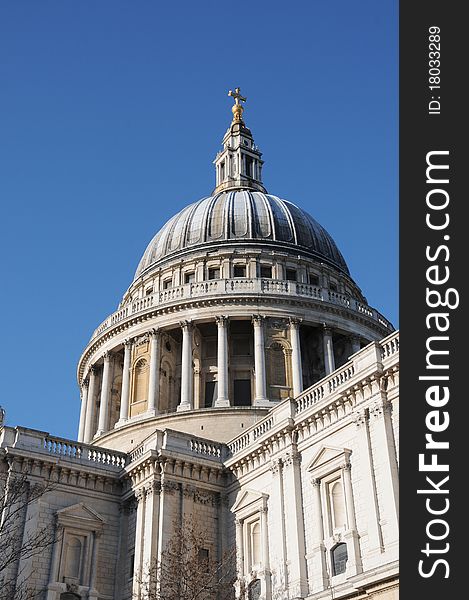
[(266, 272), (189, 277), (291, 275), (241, 346), (167, 284), (214, 273), (313, 279), (149, 291), (211, 393), (239, 271), (203, 557), (333, 287), (242, 392)]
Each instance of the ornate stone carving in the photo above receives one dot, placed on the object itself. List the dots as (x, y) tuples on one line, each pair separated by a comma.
[(275, 466), (315, 482), (221, 320), (360, 417), (292, 458), (346, 466), (258, 320), (188, 325)]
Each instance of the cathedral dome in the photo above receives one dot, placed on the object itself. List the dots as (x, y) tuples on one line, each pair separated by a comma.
[(234, 217)]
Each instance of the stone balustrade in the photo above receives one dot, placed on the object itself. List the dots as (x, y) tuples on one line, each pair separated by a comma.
[(244, 286), (23, 439)]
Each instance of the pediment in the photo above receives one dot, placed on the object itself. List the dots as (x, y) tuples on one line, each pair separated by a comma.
[(328, 456), (80, 515), (249, 498)]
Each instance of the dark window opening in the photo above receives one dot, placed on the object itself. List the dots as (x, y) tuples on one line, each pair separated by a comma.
[(211, 392), (222, 171), (242, 392), (241, 346), (239, 271), (249, 166), (167, 284), (266, 272), (313, 279), (203, 556), (149, 291), (189, 277), (333, 287), (291, 275), (214, 273), (339, 559), (210, 348)]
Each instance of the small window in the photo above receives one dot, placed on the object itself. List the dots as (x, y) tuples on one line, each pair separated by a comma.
[(214, 273), (239, 271), (339, 559), (222, 171), (167, 284), (266, 272), (333, 287), (291, 275), (203, 556), (313, 279), (255, 544), (189, 277), (149, 291)]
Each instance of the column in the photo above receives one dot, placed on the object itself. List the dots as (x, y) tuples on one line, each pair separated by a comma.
[(355, 342), (294, 521), (297, 370), (54, 586), (105, 393), (89, 433), (154, 380), (222, 362), (84, 401), (259, 361), (384, 457), (265, 553), (354, 563), (93, 593), (239, 548), (329, 362), (150, 540), (278, 539), (187, 376), (318, 560), (140, 496), (125, 393), (367, 479)]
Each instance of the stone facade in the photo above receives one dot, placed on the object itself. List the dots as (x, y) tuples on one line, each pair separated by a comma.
[(243, 384)]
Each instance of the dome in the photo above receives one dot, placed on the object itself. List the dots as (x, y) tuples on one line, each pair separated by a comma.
[(233, 217)]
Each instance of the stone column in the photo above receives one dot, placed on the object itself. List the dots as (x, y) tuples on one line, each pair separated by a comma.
[(278, 537), (384, 456), (294, 521), (329, 362), (265, 553), (93, 593), (140, 496), (90, 408), (125, 393), (355, 342), (105, 393), (259, 362), (318, 560), (367, 479), (239, 548), (297, 370), (354, 563), (154, 379), (150, 541), (222, 362), (54, 587), (187, 375), (84, 401)]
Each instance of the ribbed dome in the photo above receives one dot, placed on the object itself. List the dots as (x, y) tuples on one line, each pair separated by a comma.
[(239, 216)]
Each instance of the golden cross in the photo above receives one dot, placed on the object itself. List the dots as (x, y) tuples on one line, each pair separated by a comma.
[(237, 96)]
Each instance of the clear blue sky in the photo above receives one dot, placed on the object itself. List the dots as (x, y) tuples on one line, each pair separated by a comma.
[(111, 113)]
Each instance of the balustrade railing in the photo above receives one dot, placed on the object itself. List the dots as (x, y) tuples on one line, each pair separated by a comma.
[(82, 452), (241, 285)]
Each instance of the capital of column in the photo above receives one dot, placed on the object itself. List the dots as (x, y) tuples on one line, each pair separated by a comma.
[(91, 370), (186, 325), (258, 320), (315, 482), (107, 356), (327, 330), (346, 466), (85, 383), (221, 320), (295, 322), (275, 466), (360, 417), (140, 494), (128, 342), (154, 332)]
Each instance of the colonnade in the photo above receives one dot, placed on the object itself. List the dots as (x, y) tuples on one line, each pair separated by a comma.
[(261, 398)]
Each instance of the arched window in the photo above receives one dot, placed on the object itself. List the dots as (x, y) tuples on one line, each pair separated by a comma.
[(73, 559), (255, 543), (140, 387), (337, 501), (339, 559), (254, 590)]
